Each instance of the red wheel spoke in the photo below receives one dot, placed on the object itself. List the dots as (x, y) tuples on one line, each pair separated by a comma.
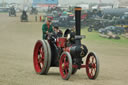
[(67, 63), (92, 72), (92, 59), (88, 61), (64, 60), (41, 52), (94, 65), (42, 57), (40, 60), (66, 71)]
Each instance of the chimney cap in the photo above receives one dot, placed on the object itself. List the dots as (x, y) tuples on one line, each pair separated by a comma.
[(78, 8)]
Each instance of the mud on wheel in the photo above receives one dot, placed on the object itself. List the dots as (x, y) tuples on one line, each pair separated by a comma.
[(40, 57), (92, 68), (65, 65)]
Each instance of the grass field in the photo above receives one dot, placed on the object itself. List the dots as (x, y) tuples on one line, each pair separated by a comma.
[(94, 36)]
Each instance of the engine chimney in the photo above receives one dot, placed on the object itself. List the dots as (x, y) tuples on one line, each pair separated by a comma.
[(78, 20), (78, 24)]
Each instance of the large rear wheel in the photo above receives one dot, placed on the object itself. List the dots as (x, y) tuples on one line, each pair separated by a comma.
[(65, 65), (92, 68), (48, 56), (40, 57)]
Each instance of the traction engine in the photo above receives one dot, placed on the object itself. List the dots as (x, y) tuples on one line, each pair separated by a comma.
[(66, 53)]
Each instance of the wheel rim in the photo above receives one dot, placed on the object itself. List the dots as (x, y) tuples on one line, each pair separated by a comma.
[(65, 65), (92, 68), (39, 57)]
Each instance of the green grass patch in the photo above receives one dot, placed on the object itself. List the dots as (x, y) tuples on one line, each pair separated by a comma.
[(94, 37)]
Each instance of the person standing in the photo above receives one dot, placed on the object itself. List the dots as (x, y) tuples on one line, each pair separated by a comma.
[(46, 28)]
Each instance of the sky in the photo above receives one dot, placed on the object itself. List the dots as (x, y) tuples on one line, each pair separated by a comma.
[(87, 1), (108, 1), (63, 1)]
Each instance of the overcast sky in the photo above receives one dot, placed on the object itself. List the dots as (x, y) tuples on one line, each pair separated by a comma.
[(63, 1)]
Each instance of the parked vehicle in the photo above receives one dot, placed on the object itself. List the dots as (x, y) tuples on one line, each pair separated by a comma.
[(24, 16), (12, 11), (113, 29)]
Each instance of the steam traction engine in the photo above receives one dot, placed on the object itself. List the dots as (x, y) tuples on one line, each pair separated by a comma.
[(66, 53)]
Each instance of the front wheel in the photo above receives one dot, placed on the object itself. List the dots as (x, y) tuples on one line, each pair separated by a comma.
[(92, 63), (65, 65)]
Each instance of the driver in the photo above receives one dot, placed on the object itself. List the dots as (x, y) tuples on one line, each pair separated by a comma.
[(46, 28)]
